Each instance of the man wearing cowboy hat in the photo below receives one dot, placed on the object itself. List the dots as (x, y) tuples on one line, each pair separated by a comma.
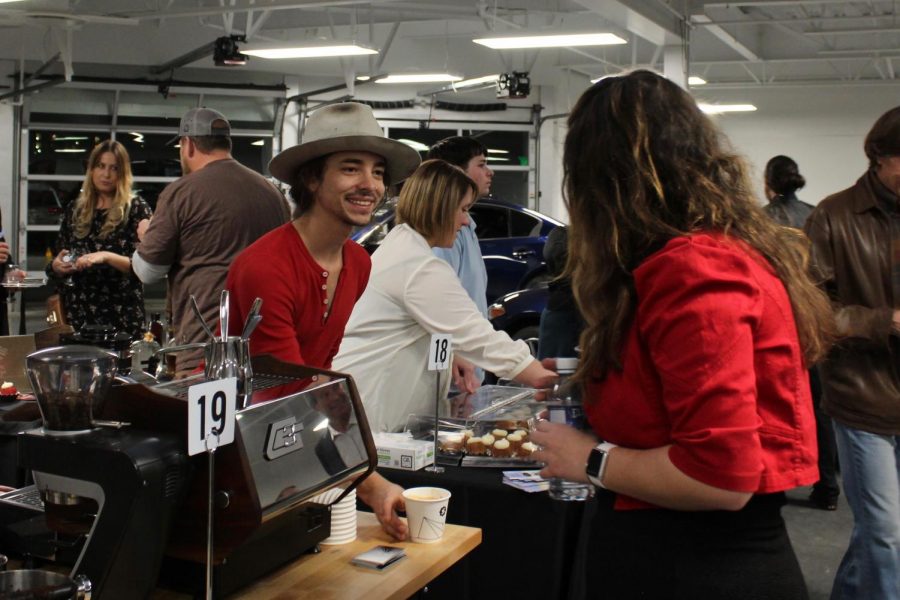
[(308, 272), (202, 221)]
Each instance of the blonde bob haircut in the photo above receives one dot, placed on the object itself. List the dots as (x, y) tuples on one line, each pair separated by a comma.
[(86, 203), (431, 197)]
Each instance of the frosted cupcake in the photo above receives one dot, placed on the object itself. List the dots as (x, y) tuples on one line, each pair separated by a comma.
[(475, 446), (452, 443), (501, 449), (515, 440), (499, 433), (526, 449)]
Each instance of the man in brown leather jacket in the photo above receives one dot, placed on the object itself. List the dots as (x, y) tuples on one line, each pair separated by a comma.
[(856, 249)]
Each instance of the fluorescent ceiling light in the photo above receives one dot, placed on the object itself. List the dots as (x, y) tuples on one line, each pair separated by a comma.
[(308, 51), (476, 81), (70, 150), (419, 78), (714, 109), (692, 80), (418, 146), (550, 41), (258, 143), (497, 151)]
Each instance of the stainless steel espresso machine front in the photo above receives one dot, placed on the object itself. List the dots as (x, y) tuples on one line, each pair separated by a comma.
[(140, 504), (305, 432)]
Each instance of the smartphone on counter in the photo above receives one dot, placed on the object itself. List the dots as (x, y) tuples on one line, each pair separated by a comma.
[(379, 557)]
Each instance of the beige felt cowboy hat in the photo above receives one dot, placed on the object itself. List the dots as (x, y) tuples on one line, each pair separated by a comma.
[(348, 126)]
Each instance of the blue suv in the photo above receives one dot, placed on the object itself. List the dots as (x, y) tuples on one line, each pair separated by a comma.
[(511, 238)]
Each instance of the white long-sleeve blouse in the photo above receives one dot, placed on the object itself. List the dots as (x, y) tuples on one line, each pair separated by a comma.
[(412, 294)]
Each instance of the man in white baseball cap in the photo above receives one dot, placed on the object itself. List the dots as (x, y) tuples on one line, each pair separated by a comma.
[(308, 272)]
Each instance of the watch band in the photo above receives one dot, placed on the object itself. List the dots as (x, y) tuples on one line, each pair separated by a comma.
[(597, 461)]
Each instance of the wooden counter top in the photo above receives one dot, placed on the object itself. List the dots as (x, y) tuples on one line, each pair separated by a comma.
[(329, 574)]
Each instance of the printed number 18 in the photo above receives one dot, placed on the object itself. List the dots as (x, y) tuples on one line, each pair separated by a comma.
[(440, 351)]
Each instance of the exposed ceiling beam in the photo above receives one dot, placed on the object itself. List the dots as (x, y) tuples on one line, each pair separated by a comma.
[(771, 3), (844, 19), (729, 40), (644, 19), (853, 31)]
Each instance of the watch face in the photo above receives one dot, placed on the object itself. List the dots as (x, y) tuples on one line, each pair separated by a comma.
[(595, 461)]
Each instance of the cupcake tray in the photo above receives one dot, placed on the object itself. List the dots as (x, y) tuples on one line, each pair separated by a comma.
[(492, 407)]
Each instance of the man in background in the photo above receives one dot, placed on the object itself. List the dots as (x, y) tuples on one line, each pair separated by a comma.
[(202, 222), (470, 155), (856, 248)]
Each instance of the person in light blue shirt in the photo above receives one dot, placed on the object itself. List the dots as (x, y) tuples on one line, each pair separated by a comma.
[(470, 155)]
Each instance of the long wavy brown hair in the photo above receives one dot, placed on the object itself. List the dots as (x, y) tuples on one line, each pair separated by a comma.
[(642, 165), (86, 203)]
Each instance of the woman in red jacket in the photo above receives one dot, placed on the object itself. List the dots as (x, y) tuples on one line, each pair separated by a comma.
[(701, 321)]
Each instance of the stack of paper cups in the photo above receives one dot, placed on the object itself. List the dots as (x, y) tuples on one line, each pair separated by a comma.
[(343, 516)]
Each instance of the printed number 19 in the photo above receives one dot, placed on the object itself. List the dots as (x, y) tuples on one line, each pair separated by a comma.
[(217, 412), (440, 351)]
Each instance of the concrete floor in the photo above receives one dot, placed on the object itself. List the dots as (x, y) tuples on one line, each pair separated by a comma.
[(819, 537)]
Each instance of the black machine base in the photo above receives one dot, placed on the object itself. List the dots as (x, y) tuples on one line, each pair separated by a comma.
[(274, 544)]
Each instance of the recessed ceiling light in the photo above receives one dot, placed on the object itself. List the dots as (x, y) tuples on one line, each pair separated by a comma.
[(550, 41), (308, 50), (714, 109), (694, 80), (420, 78)]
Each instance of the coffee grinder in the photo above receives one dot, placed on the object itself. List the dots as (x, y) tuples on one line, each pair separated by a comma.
[(116, 486)]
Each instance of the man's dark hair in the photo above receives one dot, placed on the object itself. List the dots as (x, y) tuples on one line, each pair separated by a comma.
[(457, 150), (210, 143), (884, 138), (303, 197)]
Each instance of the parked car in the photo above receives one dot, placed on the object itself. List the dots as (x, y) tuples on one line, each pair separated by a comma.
[(511, 238), (519, 315)]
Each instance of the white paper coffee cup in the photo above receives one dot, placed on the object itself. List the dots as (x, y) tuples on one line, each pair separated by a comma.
[(426, 513)]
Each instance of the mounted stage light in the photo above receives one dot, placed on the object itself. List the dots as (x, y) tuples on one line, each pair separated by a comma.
[(513, 85), (226, 52), (315, 50)]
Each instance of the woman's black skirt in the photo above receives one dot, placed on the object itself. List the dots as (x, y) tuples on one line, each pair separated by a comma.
[(674, 555)]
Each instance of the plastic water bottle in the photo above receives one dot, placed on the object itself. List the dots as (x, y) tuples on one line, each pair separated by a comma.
[(565, 407)]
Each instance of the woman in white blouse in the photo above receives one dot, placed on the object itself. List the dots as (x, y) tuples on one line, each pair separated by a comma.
[(412, 294)]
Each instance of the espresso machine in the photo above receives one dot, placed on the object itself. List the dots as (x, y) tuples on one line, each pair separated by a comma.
[(110, 464), (115, 486), (303, 431)]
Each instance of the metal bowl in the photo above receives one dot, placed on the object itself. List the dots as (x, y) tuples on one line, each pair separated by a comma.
[(35, 584)]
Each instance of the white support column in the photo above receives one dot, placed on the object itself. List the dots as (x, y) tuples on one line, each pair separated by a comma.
[(675, 66)]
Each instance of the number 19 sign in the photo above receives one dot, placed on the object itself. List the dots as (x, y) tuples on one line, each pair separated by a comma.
[(211, 408), (440, 351)]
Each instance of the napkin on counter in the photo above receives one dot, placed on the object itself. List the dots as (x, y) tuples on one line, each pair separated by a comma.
[(529, 481)]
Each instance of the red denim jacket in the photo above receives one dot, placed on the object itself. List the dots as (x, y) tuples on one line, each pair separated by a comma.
[(713, 366)]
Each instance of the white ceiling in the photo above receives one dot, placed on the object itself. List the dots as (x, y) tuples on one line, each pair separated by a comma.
[(731, 44)]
